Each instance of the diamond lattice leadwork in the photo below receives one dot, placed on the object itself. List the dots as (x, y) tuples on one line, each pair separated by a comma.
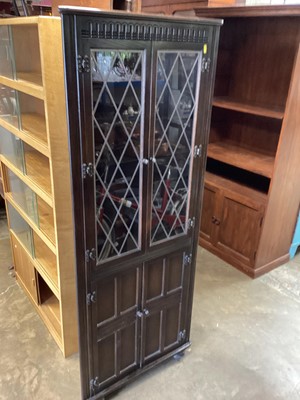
[(117, 115), (176, 99)]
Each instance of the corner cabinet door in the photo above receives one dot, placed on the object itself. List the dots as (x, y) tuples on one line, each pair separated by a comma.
[(164, 304), (240, 227), (114, 127), (211, 199), (116, 327), (174, 143)]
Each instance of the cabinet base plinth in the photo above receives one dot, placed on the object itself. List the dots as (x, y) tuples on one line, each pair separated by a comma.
[(128, 379), (252, 272)]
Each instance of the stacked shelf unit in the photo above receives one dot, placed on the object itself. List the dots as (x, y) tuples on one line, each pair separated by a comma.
[(35, 168), (252, 184)]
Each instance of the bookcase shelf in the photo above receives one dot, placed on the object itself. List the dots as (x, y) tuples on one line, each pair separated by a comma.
[(34, 162), (241, 157), (248, 108)]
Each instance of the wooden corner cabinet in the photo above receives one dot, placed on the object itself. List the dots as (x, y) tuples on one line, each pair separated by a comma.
[(139, 100), (35, 169), (252, 184)]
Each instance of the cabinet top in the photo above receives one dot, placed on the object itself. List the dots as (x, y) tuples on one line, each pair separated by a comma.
[(123, 15), (26, 20), (249, 11)]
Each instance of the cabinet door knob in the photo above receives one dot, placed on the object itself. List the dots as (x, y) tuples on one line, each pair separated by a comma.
[(145, 161), (146, 312), (217, 221)]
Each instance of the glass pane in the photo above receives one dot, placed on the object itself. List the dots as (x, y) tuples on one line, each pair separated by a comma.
[(22, 195), (12, 148), (9, 105), (177, 88), (6, 53), (118, 99), (20, 228)]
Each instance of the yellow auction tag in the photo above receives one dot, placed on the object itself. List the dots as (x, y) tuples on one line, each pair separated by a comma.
[(204, 48)]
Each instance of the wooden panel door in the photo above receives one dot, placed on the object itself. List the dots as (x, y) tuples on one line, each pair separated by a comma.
[(115, 326), (239, 227), (208, 219), (24, 269), (165, 286)]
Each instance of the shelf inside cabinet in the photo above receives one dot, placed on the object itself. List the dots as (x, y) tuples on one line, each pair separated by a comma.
[(49, 307), (37, 169), (248, 107), (47, 264), (34, 124), (229, 184), (32, 77), (29, 86), (242, 157), (46, 219)]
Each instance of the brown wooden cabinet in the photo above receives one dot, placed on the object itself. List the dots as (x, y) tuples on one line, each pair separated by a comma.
[(252, 186), (144, 87), (231, 220)]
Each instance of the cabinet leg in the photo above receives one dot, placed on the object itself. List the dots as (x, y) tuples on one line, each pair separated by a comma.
[(178, 356)]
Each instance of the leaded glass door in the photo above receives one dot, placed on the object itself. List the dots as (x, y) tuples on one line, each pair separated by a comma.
[(175, 117), (118, 98)]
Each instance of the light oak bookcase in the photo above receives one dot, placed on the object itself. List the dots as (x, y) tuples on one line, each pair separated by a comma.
[(34, 162)]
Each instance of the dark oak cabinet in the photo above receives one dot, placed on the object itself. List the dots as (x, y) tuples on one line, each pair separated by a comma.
[(139, 103)]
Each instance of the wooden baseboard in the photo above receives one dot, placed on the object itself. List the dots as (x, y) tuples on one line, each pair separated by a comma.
[(246, 269), (227, 258), (271, 265)]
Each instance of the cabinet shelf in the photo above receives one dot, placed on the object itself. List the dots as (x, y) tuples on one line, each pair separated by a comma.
[(248, 107), (250, 160), (29, 221), (49, 308), (26, 82), (28, 180), (37, 169), (34, 125), (35, 142), (46, 263), (242, 189)]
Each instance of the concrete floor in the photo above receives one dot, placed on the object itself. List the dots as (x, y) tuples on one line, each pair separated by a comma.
[(245, 334)]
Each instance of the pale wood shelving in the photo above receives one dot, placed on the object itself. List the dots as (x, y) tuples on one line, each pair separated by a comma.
[(42, 244)]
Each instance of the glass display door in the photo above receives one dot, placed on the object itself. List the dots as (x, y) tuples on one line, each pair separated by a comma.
[(176, 103), (118, 115)]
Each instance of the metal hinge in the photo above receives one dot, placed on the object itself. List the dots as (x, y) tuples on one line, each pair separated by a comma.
[(94, 384), (83, 64), (205, 65), (198, 151), (87, 170), (191, 223), (91, 298), (187, 259), (182, 335), (90, 255)]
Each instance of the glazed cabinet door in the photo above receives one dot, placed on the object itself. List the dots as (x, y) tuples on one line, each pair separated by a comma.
[(174, 142), (164, 304)]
